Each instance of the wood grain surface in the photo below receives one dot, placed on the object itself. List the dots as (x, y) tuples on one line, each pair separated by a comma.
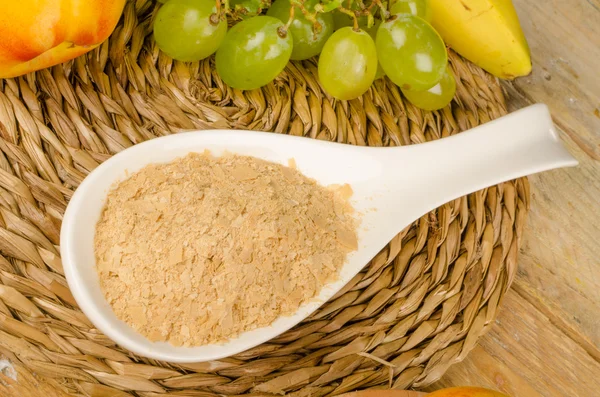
[(546, 340)]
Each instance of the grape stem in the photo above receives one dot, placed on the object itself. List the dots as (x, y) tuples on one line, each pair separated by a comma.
[(290, 19), (263, 5), (351, 14), (311, 17), (214, 19), (364, 8), (384, 12), (218, 13), (366, 11)]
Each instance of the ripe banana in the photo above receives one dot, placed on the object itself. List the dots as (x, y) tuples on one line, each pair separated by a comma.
[(486, 32)]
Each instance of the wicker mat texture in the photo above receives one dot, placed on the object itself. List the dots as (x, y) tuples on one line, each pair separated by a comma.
[(418, 307)]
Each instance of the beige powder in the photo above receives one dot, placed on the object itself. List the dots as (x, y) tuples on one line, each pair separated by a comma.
[(202, 249)]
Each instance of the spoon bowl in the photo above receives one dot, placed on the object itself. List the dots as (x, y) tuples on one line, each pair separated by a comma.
[(392, 187)]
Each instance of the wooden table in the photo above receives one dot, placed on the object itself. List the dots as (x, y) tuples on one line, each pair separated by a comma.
[(546, 341), (547, 338)]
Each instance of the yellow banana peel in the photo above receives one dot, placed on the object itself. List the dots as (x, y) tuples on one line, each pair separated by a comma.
[(486, 32)]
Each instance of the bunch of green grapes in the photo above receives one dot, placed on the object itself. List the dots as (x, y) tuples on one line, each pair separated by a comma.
[(357, 42)]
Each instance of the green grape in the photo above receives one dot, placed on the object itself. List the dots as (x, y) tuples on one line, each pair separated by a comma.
[(419, 8), (348, 63), (185, 30), (437, 97), (372, 31), (411, 52), (253, 53), (307, 41)]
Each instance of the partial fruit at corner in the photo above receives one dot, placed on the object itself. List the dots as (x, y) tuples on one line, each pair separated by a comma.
[(486, 32), (36, 34)]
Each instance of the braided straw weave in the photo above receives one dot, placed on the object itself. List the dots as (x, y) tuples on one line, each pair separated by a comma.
[(417, 308)]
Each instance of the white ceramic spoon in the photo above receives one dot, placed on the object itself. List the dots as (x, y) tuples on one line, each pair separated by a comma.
[(401, 184)]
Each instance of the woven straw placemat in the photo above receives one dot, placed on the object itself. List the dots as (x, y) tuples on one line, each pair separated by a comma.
[(417, 308)]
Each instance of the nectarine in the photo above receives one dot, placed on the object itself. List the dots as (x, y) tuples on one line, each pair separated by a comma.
[(35, 34)]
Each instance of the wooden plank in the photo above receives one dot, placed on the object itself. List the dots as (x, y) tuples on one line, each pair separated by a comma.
[(564, 37), (560, 261), (547, 339), (481, 369), (525, 355)]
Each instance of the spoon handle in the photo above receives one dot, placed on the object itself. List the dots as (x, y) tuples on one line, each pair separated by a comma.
[(423, 177)]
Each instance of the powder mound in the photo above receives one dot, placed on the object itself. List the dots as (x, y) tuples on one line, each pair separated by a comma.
[(201, 249)]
